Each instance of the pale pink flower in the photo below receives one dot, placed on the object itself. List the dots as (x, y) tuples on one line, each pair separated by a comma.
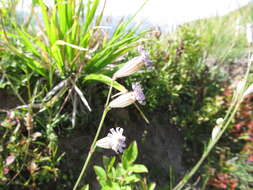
[(134, 64), (129, 98), (114, 140), (9, 160)]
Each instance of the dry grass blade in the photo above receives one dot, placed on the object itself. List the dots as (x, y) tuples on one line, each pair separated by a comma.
[(73, 119), (85, 102), (55, 90), (61, 42)]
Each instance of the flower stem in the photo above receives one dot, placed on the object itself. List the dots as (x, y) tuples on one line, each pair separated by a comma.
[(92, 148), (109, 94), (93, 145)]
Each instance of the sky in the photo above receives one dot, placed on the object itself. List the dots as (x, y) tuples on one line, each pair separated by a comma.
[(166, 12), (173, 12)]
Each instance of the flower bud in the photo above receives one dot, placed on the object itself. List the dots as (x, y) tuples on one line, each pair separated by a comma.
[(130, 67), (123, 100), (215, 131), (129, 98)]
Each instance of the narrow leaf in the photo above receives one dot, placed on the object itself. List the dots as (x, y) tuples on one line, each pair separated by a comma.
[(106, 80), (132, 178), (138, 168), (85, 187)]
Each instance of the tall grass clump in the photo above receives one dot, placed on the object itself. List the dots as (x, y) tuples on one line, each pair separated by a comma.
[(51, 57), (66, 46)]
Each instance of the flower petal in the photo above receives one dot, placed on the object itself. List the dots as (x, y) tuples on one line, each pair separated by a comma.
[(104, 143)]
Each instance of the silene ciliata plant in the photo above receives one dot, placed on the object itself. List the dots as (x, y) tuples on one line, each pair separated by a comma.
[(115, 139)]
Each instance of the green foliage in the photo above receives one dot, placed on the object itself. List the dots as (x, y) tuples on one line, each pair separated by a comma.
[(126, 174), (181, 85)]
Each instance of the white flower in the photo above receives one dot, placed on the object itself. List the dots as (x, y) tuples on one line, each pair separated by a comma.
[(36, 135), (134, 65), (129, 98), (114, 140), (140, 97), (130, 67)]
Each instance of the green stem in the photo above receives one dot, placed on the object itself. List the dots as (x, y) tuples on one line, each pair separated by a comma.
[(92, 148), (109, 94), (93, 145), (142, 114)]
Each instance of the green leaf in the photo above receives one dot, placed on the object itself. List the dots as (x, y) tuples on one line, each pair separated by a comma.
[(45, 16), (85, 187), (100, 172), (138, 168), (113, 172), (106, 80), (120, 170), (90, 16), (108, 162), (151, 186), (115, 186), (110, 165), (130, 155), (133, 178)]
